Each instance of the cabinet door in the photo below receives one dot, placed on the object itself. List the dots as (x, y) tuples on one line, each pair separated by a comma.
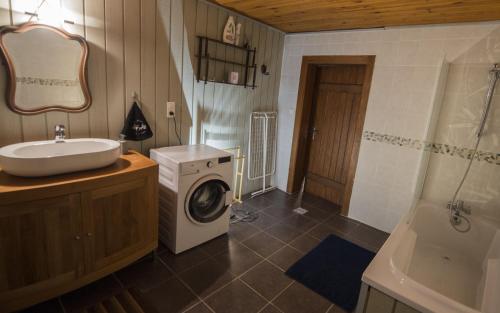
[(40, 248), (120, 222)]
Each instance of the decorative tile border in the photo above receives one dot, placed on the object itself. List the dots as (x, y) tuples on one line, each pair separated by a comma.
[(47, 81), (462, 152)]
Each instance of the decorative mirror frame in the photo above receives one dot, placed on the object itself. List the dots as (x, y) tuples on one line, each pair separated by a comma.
[(11, 76)]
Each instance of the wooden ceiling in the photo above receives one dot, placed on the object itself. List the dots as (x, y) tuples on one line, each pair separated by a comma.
[(294, 16)]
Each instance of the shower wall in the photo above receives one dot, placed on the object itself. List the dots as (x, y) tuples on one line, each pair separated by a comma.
[(455, 135)]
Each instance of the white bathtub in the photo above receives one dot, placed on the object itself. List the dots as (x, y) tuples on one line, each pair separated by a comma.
[(429, 266)]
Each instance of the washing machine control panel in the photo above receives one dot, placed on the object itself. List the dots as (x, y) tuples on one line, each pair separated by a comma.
[(197, 166)]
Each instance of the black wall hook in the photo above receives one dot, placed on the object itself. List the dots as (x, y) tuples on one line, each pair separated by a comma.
[(264, 70)]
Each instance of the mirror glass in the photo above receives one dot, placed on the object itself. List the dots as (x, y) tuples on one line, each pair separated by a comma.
[(47, 70)]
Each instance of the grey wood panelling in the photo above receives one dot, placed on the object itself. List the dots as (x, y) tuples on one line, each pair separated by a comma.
[(148, 47)]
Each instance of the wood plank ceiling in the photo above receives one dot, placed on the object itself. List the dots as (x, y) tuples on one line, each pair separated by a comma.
[(318, 15)]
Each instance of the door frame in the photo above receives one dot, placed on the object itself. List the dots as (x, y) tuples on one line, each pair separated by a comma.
[(303, 112)]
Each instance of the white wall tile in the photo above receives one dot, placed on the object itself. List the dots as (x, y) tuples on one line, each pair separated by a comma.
[(407, 52), (407, 67)]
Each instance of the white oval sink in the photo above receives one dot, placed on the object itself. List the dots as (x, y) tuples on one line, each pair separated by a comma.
[(45, 158)]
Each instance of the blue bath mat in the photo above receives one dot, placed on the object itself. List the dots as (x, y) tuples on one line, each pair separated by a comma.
[(333, 269)]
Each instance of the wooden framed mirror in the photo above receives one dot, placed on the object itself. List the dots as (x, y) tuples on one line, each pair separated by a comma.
[(47, 69)]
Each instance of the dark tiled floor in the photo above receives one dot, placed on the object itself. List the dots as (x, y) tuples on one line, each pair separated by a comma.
[(242, 271)]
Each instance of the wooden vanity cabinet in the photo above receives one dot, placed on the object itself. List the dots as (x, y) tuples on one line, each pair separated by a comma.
[(60, 233), (38, 246)]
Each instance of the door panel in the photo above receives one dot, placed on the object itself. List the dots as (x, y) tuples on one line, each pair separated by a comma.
[(40, 245), (336, 107), (118, 224)]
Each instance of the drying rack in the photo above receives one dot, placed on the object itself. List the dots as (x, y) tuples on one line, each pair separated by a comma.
[(238, 176), (262, 148)]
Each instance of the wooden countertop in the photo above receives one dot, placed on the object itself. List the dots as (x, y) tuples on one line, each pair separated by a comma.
[(43, 187)]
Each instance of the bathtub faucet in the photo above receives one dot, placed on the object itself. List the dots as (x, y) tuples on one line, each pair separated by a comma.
[(457, 208)]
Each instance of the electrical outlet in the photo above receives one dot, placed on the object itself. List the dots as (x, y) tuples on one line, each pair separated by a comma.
[(170, 109)]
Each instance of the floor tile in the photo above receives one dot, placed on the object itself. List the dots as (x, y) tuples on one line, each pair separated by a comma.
[(342, 224), (285, 257), (91, 294), (321, 203), (283, 232), (326, 205), (258, 202), (171, 296), (264, 220), (242, 231), (267, 280), (315, 213), (207, 277), (218, 245), (278, 197), (185, 260), (300, 222), (263, 244), (305, 243), (243, 206), (322, 231), (370, 235), (355, 240), (144, 275), (236, 297), (299, 299), (199, 308), (238, 259), (280, 211), (309, 198), (270, 309)]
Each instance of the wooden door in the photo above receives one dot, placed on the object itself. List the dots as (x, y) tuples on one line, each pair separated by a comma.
[(336, 105), (120, 223), (40, 248)]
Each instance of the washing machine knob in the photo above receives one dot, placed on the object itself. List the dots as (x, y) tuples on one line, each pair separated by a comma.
[(210, 164)]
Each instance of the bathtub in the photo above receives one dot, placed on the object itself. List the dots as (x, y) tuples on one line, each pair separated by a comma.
[(429, 266)]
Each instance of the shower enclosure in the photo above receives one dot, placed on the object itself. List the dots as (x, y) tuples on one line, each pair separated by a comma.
[(457, 207), (444, 256)]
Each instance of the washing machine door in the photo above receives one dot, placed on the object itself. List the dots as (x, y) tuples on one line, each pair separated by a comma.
[(208, 199)]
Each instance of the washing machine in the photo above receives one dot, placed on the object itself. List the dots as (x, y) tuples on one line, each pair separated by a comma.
[(195, 194)]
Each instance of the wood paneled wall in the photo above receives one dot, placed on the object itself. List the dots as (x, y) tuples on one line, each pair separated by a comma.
[(148, 47)]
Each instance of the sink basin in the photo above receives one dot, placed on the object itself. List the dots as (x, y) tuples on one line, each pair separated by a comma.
[(45, 158)]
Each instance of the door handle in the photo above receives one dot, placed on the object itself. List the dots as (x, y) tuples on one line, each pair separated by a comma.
[(314, 132)]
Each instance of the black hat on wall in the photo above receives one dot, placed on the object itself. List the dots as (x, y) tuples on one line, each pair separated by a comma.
[(136, 127)]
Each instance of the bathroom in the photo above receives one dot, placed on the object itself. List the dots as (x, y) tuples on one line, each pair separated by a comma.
[(416, 127)]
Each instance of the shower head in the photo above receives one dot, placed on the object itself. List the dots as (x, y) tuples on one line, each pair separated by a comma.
[(489, 95)]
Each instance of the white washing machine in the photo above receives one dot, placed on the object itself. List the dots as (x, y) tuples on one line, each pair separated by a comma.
[(195, 194)]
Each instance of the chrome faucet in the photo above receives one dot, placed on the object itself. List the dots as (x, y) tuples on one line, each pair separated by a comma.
[(456, 209), (59, 131)]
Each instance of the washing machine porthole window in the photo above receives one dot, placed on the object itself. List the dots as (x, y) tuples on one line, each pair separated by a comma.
[(208, 201)]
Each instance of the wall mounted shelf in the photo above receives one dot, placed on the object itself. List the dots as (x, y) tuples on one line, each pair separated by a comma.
[(247, 69)]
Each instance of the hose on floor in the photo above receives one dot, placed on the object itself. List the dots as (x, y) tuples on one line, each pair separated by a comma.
[(240, 214)]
